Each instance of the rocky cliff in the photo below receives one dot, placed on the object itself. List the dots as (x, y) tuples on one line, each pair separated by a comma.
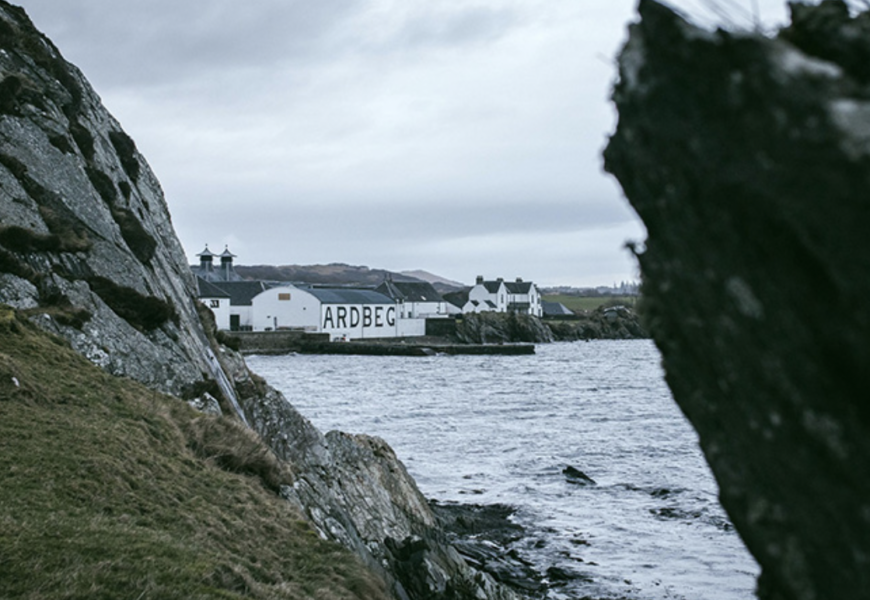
[(748, 159), (88, 252)]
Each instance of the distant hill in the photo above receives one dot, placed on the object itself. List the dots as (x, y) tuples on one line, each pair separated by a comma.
[(335, 273), (343, 274), (433, 279)]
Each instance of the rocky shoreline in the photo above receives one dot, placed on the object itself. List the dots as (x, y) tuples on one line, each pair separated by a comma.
[(88, 253)]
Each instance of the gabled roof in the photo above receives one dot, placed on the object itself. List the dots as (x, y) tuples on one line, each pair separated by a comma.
[(458, 299), (204, 289), (241, 293), (518, 287), (555, 308), (492, 286), (348, 296), (410, 291)]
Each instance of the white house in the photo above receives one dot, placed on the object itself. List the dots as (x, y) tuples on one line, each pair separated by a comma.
[(241, 295), (524, 297), (487, 296), (497, 296), (217, 300)]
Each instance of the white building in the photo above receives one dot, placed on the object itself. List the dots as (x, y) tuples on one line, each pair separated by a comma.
[(497, 296), (487, 296), (343, 313), (524, 298), (415, 299), (215, 299)]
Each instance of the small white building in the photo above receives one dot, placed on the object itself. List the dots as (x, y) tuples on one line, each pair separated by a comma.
[(498, 296), (215, 299), (524, 298), (487, 296)]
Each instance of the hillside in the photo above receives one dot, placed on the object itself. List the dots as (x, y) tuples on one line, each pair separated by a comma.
[(110, 490), (335, 273), (88, 254)]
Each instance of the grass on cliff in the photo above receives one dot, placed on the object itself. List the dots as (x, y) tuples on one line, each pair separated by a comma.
[(110, 490)]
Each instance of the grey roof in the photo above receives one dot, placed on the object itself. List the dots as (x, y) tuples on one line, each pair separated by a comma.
[(348, 296), (518, 287), (555, 308), (241, 293), (206, 252), (410, 291), (204, 289), (459, 298), (492, 286), (490, 304)]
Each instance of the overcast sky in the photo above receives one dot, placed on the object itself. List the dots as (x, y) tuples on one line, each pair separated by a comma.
[(461, 137)]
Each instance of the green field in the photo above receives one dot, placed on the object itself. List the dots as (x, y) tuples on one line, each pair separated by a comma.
[(584, 303), (110, 490)]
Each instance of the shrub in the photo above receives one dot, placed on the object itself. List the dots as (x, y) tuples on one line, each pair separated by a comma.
[(9, 263), (126, 149), (84, 140), (103, 184), (205, 386), (145, 313), (125, 188), (229, 341), (235, 448), (70, 232), (138, 240), (10, 87), (61, 142), (24, 240)]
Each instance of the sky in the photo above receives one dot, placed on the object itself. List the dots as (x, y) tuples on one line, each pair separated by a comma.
[(461, 137)]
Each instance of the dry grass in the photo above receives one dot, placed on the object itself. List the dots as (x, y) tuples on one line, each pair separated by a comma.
[(110, 490)]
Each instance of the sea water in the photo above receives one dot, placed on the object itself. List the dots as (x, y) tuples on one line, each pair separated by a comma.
[(501, 429)]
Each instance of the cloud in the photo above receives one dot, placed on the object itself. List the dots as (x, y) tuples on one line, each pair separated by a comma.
[(337, 130)]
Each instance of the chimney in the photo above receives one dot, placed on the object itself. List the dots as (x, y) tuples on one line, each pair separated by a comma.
[(519, 279), (479, 279), (500, 279), (206, 263), (227, 264)]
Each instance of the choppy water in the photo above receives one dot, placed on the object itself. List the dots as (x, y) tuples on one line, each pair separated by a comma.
[(487, 429)]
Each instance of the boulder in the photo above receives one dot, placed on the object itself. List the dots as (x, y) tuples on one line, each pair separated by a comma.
[(748, 159)]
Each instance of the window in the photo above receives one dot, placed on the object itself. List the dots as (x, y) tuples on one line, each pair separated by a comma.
[(284, 297), (214, 303)]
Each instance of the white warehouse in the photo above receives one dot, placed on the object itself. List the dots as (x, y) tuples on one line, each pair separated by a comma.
[(343, 313)]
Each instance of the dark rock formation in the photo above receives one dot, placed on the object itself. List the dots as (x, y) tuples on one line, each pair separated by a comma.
[(483, 534), (576, 476), (498, 328), (87, 251), (603, 323), (748, 159)]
